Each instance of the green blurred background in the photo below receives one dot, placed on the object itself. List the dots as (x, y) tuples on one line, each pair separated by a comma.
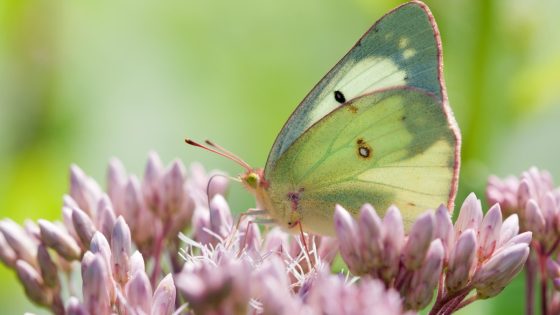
[(84, 81)]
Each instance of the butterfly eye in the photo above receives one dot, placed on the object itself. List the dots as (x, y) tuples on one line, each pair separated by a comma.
[(252, 179)]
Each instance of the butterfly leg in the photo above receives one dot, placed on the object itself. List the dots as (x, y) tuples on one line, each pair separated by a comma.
[(249, 212)]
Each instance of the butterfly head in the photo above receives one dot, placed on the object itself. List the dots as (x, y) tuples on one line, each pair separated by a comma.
[(254, 180)]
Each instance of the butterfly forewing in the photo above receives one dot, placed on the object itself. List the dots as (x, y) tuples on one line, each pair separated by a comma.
[(401, 49), (395, 146)]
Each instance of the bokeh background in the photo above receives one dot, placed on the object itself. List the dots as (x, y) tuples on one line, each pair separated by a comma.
[(83, 81)]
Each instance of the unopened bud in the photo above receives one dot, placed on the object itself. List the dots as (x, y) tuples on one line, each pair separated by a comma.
[(510, 228), (105, 218), (462, 262), (137, 263), (21, 244), (121, 248), (173, 187), (33, 284), (371, 237), (393, 241), (499, 270), (74, 307), (96, 287), (220, 216), (425, 280), (347, 235), (470, 215), (49, 271), (163, 302), (56, 238), (139, 293), (7, 254), (444, 229), (489, 233), (83, 226), (419, 239)]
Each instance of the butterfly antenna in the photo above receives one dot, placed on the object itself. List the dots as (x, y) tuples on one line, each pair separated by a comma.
[(223, 153), (227, 152)]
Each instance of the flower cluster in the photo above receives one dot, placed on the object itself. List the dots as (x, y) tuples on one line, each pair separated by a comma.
[(536, 200), (169, 244), (479, 253)]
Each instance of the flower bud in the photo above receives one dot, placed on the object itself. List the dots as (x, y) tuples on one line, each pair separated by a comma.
[(443, 229), (347, 234), (173, 188), (116, 181), (393, 241), (99, 245), (462, 262), (86, 261), (68, 223), (56, 238), (32, 229), (139, 293), (534, 220), (96, 287), (7, 255), (470, 215), (74, 307), (200, 224), (137, 263), (499, 270), (275, 241), (105, 219), (419, 239), (33, 284), (503, 192), (83, 190), (370, 240), (425, 280), (163, 302), (523, 194), (220, 216), (151, 186), (19, 241), (510, 228), (489, 233), (121, 248), (83, 226), (49, 271)]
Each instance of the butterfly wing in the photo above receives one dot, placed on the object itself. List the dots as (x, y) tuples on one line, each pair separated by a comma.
[(401, 49), (394, 146)]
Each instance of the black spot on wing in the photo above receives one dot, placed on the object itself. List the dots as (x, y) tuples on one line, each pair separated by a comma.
[(339, 97)]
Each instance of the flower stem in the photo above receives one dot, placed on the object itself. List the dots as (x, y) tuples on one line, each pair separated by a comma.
[(529, 285), (446, 301), (544, 284), (158, 247), (466, 302)]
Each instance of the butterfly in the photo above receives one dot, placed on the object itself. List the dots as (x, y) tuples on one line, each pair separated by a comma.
[(376, 129)]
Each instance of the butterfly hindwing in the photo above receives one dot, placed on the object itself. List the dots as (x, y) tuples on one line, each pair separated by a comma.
[(394, 146), (401, 49)]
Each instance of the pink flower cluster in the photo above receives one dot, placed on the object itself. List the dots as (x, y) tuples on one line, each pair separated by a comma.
[(169, 244), (480, 253), (536, 200)]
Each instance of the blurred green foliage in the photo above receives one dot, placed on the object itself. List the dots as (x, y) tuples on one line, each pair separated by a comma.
[(83, 81)]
